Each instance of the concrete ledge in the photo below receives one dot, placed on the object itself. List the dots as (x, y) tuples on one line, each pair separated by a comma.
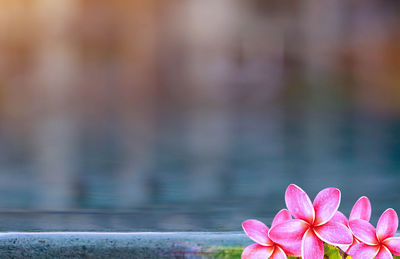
[(122, 245)]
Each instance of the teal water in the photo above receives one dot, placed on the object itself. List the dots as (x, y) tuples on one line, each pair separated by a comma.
[(152, 116), (192, 180)]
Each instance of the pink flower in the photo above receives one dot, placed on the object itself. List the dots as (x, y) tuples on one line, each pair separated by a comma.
[(360, 210), (312, 225), (376, 243), (265, 247)]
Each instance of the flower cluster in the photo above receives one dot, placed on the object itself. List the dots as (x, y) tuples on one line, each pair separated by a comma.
[(304, 227)]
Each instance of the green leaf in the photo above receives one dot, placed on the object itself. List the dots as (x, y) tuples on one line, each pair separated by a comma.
[(332, 252), (230, 252)]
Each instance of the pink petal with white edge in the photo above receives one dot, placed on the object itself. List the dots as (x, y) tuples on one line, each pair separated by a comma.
[(256, 251), (340, 218), (293, 249), (363, 231), (384, 253), (387, 224), (363, 251), (278, 253), (299, 204), (289, 235), (257, 231), (347, 248), (326, 203), (334, 233), (312, 247), (393, 243), (344, 248), (361, 209), (281, 216)]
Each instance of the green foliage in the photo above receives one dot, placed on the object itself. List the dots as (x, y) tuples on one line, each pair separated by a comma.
[(332, 252), (230, 252)]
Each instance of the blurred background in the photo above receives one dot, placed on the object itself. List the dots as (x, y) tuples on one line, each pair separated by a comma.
[(193, 114)]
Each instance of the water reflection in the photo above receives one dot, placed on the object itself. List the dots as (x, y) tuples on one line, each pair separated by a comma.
[(193, 115)]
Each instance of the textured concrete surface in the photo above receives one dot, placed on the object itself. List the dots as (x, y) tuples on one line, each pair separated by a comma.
[(119, 245)]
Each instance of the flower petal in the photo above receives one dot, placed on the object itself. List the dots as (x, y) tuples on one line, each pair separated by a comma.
[(257, 231), (325, 205), (387, 224), (363, 231), (362, 251), (340, 218), (312, 247), (361, 209), (292, 249), (281, 216), (289, 235), (384, 253), (256, 251), (393, 243), (299, 204), (278, 253), (346, 248), (334, 233)]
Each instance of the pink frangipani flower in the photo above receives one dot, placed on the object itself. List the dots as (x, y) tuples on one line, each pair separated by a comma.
[(265, 247), (376, 243), (360, 210), (312, 225)]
